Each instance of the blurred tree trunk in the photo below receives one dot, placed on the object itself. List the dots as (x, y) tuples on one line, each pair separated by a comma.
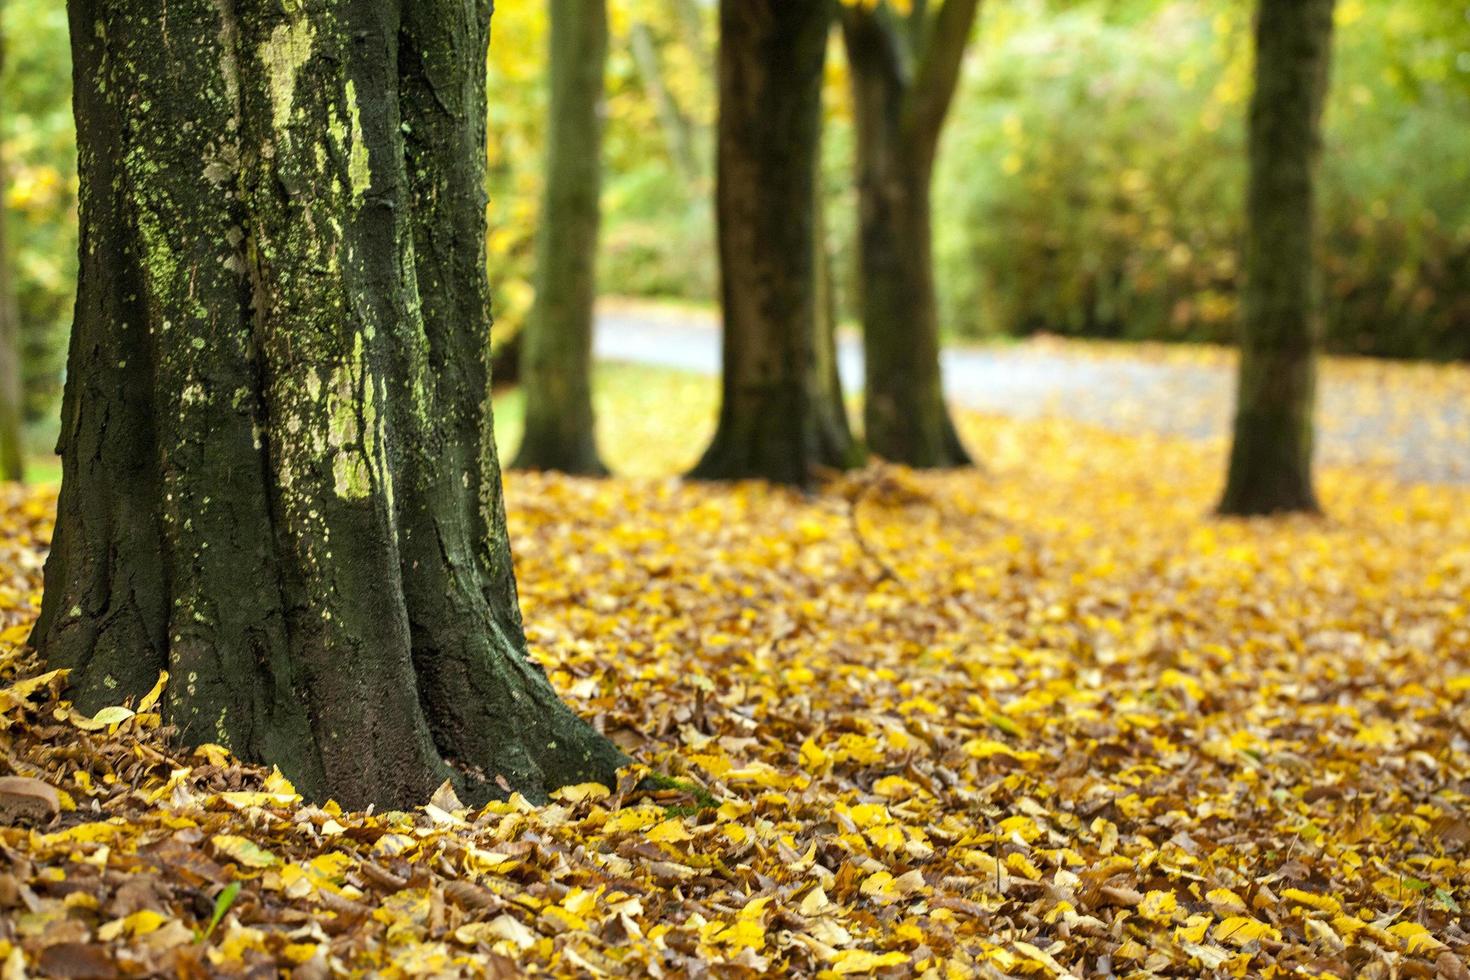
[(556, 359), (775, 422), (279, 472), (12, 455), (671, 118), (830, 404), (904, 71), (692, 33), (1271, 457)]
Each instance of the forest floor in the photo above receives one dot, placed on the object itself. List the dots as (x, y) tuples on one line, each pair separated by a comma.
[(1049, 718)]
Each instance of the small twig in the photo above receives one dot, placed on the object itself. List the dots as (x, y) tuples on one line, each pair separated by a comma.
[(885, 570)]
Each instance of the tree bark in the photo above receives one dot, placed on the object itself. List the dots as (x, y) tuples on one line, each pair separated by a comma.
[(903, 77), (556, 362), (1271, 456), (773, 424), (279, 476), (12, 452)]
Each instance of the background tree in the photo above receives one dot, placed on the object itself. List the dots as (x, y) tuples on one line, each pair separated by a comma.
[(556, 361), (675, 125), (12, 455), (904, 69), (280, 483), (1271, 456), (830, 404), (773, 421)]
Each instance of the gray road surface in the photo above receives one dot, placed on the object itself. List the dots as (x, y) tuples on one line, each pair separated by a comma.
[(1422, 434)]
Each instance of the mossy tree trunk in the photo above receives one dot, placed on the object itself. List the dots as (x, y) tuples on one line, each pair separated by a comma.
[(279, 476), (904, 69), (1271, 455), (774, 421), (12, 455), (556, 359)]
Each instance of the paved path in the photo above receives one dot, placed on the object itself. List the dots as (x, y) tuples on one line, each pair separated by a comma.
[(1414, 419)]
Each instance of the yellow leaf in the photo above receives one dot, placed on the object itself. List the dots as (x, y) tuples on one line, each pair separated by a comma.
[(634, 818), (243, 851), (862, 961), (669, 832), (140, 923), (814, 902), (1224, 901), (1325, 903), (580, 792), (215, 755), (503, 928), (151, 698), (1159, 906), (1416, 938), (895, 787), (984, 748), (279, 784), (1193, 930), (114, 715), (1240, 930)]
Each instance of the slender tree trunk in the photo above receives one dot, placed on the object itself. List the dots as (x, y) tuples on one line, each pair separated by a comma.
[(12, 455), (1271, 457), (690, 15), (773, 421), (675, 126), (279, 478), (904, 414), (556, 361), (832, 423)]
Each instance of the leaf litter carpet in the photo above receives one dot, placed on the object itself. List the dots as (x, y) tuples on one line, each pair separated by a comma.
[(1046, 719)]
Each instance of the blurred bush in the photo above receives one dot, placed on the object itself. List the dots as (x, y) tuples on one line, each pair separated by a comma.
[(1091, 183), (39, 149)]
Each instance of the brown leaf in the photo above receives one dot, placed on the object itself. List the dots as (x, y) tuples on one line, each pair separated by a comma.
[(468, 895), (80, 961), (1451, 967), (27, 801)]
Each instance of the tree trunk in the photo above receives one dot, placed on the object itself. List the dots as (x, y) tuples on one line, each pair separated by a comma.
[(773, 423), (279, 476), (12, 454), (832, 424), (556, 362), (904, 415), (1271, 457)]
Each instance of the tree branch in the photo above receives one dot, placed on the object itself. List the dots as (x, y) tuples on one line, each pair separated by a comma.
[(876, 43), (938, 71)]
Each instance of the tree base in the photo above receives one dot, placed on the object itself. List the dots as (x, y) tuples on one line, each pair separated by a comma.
[(904, 438), (574, 457)]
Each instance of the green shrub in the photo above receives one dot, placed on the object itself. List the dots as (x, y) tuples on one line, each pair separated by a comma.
[(1092, 179)]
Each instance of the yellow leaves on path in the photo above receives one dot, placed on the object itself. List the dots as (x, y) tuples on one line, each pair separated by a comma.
[(1087, 723)]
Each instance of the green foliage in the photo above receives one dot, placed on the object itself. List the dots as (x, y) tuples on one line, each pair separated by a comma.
[(1093, 177)]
